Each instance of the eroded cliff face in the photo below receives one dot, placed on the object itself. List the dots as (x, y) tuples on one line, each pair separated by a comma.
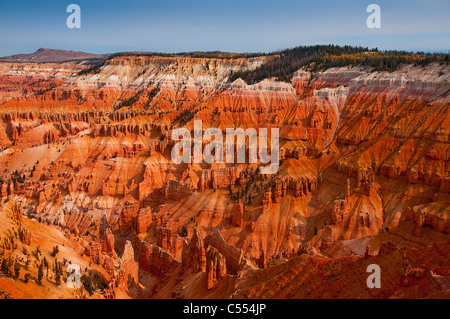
[(121, 81), (364, 159)]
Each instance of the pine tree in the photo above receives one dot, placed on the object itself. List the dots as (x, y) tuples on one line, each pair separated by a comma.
[(58, 272), (58, 277), (27, 263), (87, 283), (40, 274), (55, 251), (5, 267), (16, 270), (10, 263), (46, 265)]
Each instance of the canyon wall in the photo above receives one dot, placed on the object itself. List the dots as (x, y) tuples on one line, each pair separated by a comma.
[(363, 154)]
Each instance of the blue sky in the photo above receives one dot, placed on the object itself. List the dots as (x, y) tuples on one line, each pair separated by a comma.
[(231, 25)]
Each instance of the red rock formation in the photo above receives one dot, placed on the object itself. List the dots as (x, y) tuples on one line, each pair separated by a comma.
[(193, 256), (237, 215), (110, 292), (387, 248), (169, 241), (233, 256), (94, 250), (156, 260), (128, 267), (408, 270), (143, 220), (77, 220), (436, 215), (262, 260), (127, 215), (104, 225), (218, 178), (91, 152), (171, 190), (215, 266), (108, 242), (267, 200), (50, 137)]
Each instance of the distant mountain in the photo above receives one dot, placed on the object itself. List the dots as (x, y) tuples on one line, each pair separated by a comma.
[(44, 55)]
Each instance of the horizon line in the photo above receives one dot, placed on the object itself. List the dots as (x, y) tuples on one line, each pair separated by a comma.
[(233, 52)]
